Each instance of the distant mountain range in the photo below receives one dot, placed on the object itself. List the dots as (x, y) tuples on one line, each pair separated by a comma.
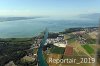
[(2, 19), (90, 16)]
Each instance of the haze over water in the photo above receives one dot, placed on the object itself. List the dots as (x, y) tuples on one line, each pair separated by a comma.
[(32, 27), (66, 12)]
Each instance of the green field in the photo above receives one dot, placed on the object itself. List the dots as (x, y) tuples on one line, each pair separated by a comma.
[(57, 50), (89, 49)]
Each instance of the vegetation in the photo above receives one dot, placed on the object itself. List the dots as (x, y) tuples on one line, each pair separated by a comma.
[(71, 40), (57, 50), (70, 30), (13, 49), (89, 40), (25, 63), (98, 55), (53, 35), (89, 49)]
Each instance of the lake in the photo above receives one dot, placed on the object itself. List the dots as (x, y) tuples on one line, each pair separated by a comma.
[(32, 27)]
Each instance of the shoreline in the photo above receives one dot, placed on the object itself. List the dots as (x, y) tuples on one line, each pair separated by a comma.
[(49, 32)]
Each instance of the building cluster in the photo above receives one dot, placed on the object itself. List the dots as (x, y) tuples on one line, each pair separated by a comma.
[(90, 32), (36, 43), (58, 41)]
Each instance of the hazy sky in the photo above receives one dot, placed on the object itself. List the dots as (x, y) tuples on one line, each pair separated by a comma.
[(62, 8)]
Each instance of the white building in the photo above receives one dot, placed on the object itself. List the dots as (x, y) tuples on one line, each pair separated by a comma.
[(61, 44), (59, 41)]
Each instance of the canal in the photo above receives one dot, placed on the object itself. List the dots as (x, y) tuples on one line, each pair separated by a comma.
[(41, 59)]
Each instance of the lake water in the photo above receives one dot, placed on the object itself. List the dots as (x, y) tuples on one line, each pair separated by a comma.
[(32, 27)]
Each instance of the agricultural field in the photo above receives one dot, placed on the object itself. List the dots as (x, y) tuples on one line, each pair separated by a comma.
[(57, 50), (54, 56), (76, 62), (89, 49)]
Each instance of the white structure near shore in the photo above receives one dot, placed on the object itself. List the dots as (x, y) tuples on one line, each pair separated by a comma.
[(61, 44), (59, 41)]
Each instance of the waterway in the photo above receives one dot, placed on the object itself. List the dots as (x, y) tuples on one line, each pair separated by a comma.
[(41, 60)]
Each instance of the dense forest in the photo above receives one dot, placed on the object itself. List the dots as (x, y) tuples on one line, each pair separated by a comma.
[(13, 49)]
